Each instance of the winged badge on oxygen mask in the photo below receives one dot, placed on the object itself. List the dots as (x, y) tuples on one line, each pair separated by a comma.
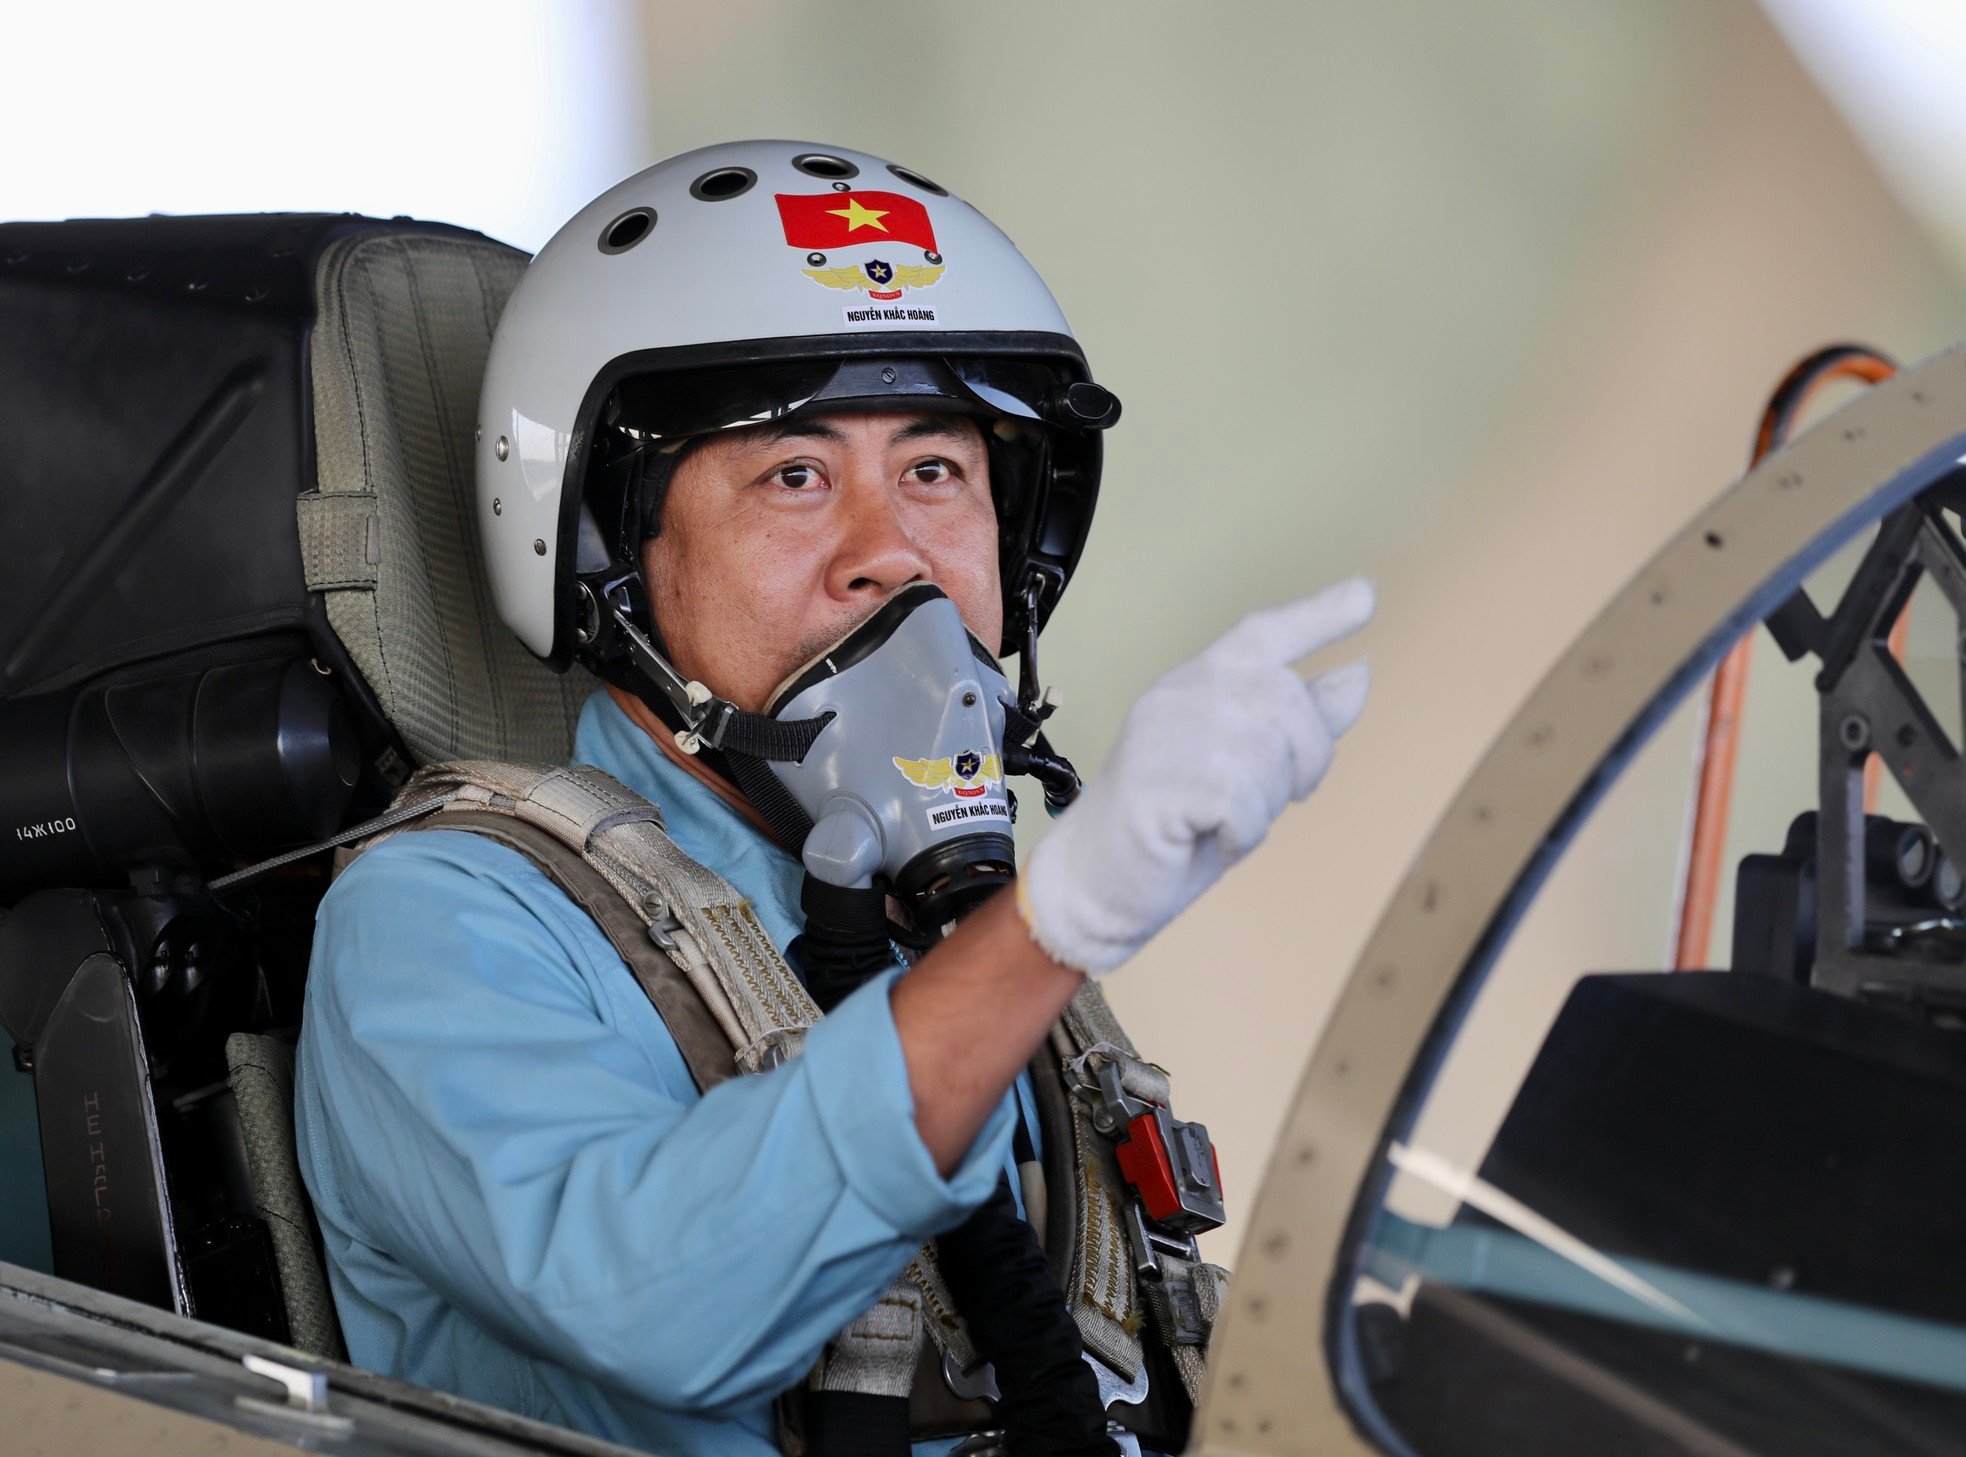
[(965, 775)]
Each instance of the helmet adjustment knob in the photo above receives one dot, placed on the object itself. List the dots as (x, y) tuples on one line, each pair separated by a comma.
[(1082, 406)]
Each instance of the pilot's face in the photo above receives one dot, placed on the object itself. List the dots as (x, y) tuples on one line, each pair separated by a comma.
[(778, 540)]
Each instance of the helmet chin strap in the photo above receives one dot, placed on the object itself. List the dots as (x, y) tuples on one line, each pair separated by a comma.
[(710, 721), (747, 742)]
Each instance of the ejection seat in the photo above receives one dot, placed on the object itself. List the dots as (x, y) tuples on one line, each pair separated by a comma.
[(245, 598)]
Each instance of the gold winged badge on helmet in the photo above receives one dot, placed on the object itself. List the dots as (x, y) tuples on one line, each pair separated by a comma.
[(906, 275)]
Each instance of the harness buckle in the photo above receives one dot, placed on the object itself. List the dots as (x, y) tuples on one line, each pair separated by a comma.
[(977, 1383), (1173, 1168), (1170, 1168), (1170, 1165)]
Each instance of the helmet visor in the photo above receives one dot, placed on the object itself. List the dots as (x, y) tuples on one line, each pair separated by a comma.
[(685, 403)]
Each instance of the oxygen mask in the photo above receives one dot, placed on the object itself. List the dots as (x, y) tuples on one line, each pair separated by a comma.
[(905, 783)]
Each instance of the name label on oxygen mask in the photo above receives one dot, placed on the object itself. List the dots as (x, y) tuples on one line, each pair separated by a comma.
[(993, 809)]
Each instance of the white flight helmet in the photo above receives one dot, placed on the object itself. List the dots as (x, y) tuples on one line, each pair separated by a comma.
[(738, 284)]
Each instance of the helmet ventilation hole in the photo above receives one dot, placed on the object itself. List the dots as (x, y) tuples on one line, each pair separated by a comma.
[(915, 179), (823, 164), (722, 184), (627, 230)]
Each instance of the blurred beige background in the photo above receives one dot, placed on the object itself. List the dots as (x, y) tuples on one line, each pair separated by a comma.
[(1480, 299)]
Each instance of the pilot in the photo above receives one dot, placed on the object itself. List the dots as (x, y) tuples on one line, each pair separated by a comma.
[(762, 416)]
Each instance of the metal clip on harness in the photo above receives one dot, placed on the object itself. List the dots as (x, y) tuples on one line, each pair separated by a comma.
[(1172, 1174)]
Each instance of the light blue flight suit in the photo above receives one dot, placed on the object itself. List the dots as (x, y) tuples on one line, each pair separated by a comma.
[(523, 1198)]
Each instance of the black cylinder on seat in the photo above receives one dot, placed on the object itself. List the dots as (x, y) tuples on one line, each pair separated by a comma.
[(220, 763)]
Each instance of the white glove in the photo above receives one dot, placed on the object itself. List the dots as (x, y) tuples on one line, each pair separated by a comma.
[(1206, 759)]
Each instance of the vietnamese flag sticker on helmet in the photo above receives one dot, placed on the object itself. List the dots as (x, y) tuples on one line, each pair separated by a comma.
[(846, 219)]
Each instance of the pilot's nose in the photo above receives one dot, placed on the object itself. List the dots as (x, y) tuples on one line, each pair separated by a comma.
[(875, 555)]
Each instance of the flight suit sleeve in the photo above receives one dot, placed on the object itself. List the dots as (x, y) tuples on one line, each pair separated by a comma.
[(482, 1096)]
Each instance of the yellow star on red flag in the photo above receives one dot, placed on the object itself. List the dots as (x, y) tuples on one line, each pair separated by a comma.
[(859, 217)]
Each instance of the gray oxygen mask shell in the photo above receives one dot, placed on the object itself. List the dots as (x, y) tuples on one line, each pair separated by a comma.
[(905, 783)]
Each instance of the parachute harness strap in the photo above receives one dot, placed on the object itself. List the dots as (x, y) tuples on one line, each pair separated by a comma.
[(1120, 1250), (689, 911)]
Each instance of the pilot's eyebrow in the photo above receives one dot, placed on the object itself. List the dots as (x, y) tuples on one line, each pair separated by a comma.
[(949, 427), (799, 430), (928, 426)]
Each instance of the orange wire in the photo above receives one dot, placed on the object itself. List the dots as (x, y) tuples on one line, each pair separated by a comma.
[(1868, 368), (1713, 801), (1712, 805)]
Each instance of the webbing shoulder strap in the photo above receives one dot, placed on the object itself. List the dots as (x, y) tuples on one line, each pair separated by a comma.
[(708, 930), (705, 1048)]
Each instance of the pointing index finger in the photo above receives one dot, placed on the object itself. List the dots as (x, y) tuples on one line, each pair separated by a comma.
[(1294, 630)]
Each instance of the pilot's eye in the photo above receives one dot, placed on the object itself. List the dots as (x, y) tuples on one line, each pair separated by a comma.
[(931, 472), (797, 476)]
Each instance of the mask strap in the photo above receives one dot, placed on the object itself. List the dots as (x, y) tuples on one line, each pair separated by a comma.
[(789, 822), (712, 722), (738, 731)]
